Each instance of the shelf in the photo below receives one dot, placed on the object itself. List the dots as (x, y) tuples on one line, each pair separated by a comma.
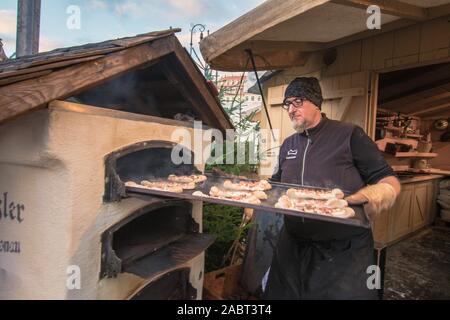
[(407, 169), (413, 135), (410, 135), (398, 168), (431, 170), (415, 155), (394, 129)]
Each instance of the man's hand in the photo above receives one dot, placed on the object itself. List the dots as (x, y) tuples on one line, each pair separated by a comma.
[(378, 197)]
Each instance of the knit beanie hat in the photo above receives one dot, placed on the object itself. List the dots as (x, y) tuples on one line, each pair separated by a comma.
[(305, 88)]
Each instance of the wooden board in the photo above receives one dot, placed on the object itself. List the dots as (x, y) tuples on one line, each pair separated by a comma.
[(267, 15), (399, 223), (24, 77), (400, 167), (415, 155), (198, 81), (382, 143), (50, 59), (82, 51), (345, 98), (431, 170), (49, 66), (223, 283), (391, 7)]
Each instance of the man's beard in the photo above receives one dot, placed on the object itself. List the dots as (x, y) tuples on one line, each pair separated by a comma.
[(299, 127)]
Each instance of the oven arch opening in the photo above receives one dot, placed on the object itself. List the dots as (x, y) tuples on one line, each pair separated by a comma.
[(146, 160), (155, 239), (174, 285)]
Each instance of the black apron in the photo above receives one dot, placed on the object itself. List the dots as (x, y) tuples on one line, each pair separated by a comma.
[(314, 259), (321, 270)]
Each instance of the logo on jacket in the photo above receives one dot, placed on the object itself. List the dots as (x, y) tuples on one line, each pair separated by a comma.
[(292, 154)]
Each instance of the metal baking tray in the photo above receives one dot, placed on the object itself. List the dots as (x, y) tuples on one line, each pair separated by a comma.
[(359, 220)]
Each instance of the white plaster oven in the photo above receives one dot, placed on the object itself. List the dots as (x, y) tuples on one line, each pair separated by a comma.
[(67, 142), (52, 168)]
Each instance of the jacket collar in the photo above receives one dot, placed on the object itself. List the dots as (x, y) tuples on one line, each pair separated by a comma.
[(314, 130)]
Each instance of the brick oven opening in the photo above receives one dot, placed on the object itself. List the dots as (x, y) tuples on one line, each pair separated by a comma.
[(147, 160), (156, 239), (159, 237), (174, 285)]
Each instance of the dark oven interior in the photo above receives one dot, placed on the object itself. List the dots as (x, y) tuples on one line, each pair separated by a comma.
[(154, 240), (159, 88), (142, 161), (174, 285)]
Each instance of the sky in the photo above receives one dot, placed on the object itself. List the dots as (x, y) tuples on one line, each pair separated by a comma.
[(109, 19)]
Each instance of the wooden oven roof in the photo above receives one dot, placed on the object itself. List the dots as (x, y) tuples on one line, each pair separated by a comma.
[(32, 82)]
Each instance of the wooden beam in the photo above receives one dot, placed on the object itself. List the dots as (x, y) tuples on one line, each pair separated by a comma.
[(18, 98), (434, 77), (342, 93), (270, 46), (237, 60), (391, 26), (439, 11), (422, 106), (344, 104), (10, 80), (184, 88), (269, 55), (50, 66), (418, 98), (440, 115), (391, 7), (263, 17), (327, 95), (39, 60), (221, 119), (431, 110), (371, 116)]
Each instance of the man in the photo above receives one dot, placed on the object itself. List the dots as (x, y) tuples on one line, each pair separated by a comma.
[(322, 260)]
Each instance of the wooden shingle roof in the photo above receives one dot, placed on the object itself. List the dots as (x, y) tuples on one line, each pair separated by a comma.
[(32, 82), (32, 66)]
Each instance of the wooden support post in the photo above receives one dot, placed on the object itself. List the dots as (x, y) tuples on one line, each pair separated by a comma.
[(28, 27)]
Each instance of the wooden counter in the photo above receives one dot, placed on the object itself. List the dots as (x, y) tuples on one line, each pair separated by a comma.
[(420, 178), (414, 209)]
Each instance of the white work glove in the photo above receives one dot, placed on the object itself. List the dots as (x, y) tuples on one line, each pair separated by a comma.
[(248, 212), (377, 198)]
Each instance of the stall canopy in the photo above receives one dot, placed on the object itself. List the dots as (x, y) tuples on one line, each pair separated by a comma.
[(282, 34)]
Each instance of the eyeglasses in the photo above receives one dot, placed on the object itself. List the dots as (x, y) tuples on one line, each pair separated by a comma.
[(297, 103)]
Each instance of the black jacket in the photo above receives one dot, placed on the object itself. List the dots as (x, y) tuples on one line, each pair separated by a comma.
[(331, 155), (322, 260)]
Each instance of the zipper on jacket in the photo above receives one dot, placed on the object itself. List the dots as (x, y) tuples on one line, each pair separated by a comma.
[(304, 156), (304, 159)]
